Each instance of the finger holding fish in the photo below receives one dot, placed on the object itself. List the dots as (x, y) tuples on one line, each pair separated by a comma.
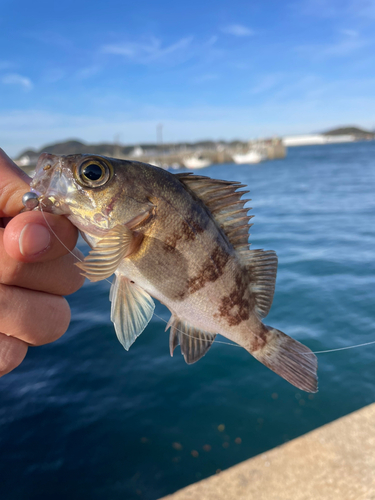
[(13, 184), (32, 310), (58, 277), (31, 237), (28, 316), (12, 353)]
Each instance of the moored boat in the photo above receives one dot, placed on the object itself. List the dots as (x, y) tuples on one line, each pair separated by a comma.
[(196, 162), (252, 156)]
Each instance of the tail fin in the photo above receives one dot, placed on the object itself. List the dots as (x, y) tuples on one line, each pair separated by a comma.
[(290, 359)]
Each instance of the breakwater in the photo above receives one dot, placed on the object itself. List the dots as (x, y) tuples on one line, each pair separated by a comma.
[(166, 156), (270, 149)]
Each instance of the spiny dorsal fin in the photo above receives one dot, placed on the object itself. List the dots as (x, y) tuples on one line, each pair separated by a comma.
[(224, 202), (262, 267), (194, 343)]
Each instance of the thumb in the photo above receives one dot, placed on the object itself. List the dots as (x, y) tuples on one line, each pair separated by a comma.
[(34, 237), (13, 185)]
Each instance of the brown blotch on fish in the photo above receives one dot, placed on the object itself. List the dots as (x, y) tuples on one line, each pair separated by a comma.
[(164, 266), (195, 226), (171, 241), (236, 306), (187, 231), (212, 269), (260, 338), (169, 245)]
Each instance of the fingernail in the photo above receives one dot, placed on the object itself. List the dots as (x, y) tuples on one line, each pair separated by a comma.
[(34, 238)]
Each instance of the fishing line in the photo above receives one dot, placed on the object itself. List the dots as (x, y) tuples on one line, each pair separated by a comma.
[(180, 331), (55, 235), (344, 348)]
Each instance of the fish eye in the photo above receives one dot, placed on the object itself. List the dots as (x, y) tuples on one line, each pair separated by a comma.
[(93, 173)]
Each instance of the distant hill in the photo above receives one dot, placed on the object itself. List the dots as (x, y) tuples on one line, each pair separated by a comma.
[(115, 150), (75, 147), (356, 131)]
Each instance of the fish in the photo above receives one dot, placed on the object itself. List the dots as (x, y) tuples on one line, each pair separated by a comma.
[(182, 239)]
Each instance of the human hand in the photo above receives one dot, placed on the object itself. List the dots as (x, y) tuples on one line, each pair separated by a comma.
[(35, 271)]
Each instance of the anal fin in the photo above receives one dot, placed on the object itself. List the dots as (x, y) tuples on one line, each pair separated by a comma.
[(131, 310), (194, 343)]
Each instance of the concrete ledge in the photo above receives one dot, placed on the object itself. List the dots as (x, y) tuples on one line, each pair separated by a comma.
[(334, 462)]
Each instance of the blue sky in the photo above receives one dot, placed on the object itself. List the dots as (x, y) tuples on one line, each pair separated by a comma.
[(223, 69)]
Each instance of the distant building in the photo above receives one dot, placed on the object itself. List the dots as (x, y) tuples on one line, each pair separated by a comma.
[(137, 152), (313, 139), (24, 161)]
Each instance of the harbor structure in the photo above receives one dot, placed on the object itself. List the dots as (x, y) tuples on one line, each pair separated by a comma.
[(192, 156), (315, 139)]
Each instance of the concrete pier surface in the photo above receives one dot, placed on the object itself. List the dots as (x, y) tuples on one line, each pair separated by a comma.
[(334, 462)]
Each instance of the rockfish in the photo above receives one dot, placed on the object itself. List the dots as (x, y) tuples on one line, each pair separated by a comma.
[(182, 239)]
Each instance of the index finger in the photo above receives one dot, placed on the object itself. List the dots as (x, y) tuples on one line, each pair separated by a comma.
[(14, 183)]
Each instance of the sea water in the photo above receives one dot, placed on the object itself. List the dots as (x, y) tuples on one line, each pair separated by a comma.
[(83, 418)]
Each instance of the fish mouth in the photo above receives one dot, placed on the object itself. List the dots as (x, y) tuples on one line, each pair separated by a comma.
[(50, 185)]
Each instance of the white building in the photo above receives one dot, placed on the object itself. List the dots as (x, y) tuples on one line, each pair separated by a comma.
[(312, 139)]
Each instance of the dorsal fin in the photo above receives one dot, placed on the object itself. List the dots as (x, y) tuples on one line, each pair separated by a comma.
[(224, 202), (262, 267)]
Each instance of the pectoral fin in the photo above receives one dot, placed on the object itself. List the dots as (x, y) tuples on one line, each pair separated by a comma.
[(194, 343), (105, 258), (132, 308)]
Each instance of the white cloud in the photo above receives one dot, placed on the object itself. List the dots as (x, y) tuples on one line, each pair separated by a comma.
[(150, 51), (208, 77), (212, 40), (341, 48), (335, 8), (350, 33), (267, 82), (362, 8), (88, 72), (5, 65), (53, 75), (16, 79), (51, 37), (344, 47), (237, 30), (318, 8)]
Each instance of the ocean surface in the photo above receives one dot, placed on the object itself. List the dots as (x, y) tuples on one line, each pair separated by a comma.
[(83, 418)]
